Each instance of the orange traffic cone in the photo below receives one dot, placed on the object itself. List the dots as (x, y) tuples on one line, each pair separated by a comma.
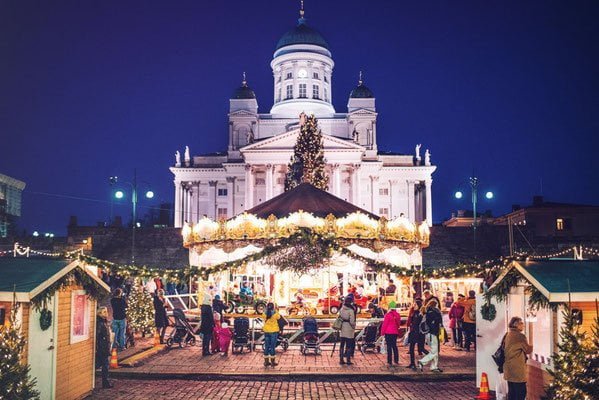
[(114, 361), (156, 338), (484, 393)]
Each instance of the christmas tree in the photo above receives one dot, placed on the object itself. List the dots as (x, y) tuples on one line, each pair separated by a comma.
[(307, 162), (140, 310), (590, 377), (15, 382), (570, 362)]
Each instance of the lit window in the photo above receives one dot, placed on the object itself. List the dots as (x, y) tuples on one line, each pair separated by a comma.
[(289, 94), (289, 75), (222, 192), (559, 224), (303, 91), (383, 191), (315, 92), (315, 75), (221, 213)]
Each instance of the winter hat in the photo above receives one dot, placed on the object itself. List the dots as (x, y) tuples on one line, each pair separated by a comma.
[(207, 300)]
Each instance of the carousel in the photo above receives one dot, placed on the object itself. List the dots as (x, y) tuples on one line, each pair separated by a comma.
[(303, 250)]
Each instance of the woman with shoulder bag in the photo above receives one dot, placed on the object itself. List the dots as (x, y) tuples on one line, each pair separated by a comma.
[(348, 326), (514, 367)]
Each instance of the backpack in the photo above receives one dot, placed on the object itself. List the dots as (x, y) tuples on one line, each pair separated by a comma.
[(472, 312), (423, 327), (499, 355)]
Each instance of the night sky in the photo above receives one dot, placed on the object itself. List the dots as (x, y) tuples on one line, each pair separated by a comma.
[(90, 89)]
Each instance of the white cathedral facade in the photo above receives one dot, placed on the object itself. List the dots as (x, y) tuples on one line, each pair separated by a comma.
[(253, 169)]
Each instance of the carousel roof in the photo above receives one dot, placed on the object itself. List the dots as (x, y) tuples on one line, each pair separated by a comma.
[(307, 198)]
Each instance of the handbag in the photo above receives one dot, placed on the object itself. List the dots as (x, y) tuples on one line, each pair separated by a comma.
[(337, 324), (499, 355)]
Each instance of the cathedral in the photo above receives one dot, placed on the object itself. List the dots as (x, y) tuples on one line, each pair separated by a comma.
[(253, 169)]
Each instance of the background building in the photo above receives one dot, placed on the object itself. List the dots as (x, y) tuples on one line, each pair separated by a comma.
[(10, 203), (252, 170)]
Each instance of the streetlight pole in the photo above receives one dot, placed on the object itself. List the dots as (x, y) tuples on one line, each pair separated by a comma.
[(474, 188), (119, 195)]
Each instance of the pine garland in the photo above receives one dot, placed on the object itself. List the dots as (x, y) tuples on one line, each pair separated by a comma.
[(15, 381)]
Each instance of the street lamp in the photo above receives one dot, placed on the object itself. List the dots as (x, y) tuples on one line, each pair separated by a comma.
[(120, 194), (474, 189)]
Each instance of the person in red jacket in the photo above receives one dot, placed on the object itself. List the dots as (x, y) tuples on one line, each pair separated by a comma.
[(456, 312), (390, 329)]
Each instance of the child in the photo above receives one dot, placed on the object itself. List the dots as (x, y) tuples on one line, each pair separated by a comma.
[(224, 338), (215, 348)]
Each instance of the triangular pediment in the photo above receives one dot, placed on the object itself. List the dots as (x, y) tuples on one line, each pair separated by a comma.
[(362, 111), (287, 140), (242, 113)]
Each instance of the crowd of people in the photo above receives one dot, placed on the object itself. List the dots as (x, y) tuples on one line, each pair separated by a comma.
[(423, 333)]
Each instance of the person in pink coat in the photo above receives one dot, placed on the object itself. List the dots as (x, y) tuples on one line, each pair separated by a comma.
[(390, 329), (224, 338)]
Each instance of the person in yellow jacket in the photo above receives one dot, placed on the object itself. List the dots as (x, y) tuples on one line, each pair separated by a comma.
[(469, 319), (271, 332)]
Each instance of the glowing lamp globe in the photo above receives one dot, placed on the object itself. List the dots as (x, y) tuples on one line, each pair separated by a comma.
[(489, 195), (119, 194), (459, 195), (150, 194)]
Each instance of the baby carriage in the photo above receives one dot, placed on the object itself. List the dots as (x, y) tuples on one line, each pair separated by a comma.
[(241, 335), (129, 337), (183, 332), (311, 339), (369, 340)]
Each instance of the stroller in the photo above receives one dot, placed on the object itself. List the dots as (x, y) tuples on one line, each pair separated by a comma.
[(241, 335), (183, 332), (311, 339), (369, 340)]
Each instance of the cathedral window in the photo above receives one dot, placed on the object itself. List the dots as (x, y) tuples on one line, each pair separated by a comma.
[(303, 91), (326, 95), (326, 79), (384, 212), (221, 213), (315, 75), (289, 94), (315, 92), (222, 192), (279, 79), (383, 191), (289, 75), (278, 95)]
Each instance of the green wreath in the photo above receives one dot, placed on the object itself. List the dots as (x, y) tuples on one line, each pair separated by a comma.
[(488, 311), (45, 319)]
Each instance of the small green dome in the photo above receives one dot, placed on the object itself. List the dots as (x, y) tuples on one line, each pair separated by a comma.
[(244, 91), (361, 92)]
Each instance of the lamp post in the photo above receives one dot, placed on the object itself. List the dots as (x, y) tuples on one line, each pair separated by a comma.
[(119, 194), (474, 191)]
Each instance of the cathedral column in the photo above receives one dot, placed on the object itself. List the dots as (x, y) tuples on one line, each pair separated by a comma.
[(231, 144), (356, 198), (188, 203), (411, 201), (230, 196), (374, 194), (178, 221), (195, 204), (429, 202), (184, 202), (269, 172), (336, 180), (212, 195), (249, 187), (391, 208)]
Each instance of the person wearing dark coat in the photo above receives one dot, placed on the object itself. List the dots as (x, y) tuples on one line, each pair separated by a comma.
[(434, 323), (160, 317), (218, 305), (103, 345), (206, 327), (415, 337)]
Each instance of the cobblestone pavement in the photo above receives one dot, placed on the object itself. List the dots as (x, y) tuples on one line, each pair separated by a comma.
[(223, 390), (188, 360)]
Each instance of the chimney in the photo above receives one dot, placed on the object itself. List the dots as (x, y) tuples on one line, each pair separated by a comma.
[(72, 221), (537, 200)]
